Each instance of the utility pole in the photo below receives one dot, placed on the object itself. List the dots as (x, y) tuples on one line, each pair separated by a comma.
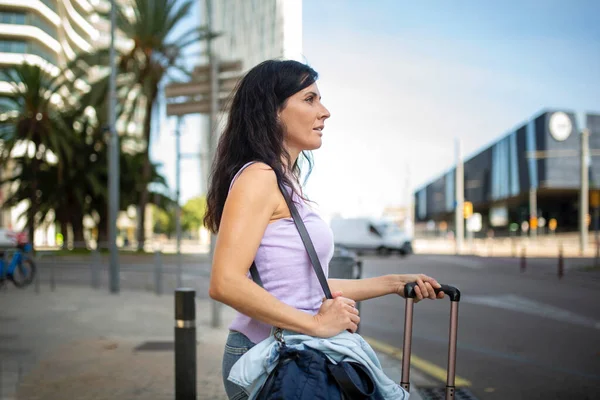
[(177, 197), (460, 198), (113, 161), (585, 191), (212, 135), (533, 211)]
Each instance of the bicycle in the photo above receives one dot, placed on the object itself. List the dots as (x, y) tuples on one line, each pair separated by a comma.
[(21, 269)]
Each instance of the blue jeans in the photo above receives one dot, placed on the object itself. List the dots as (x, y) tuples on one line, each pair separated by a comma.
[(237, 344)]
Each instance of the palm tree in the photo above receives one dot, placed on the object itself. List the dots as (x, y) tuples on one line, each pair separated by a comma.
[(154, 57), (30, 121)]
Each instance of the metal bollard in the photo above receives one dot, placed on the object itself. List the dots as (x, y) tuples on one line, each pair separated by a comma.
[(95, 273), (561, 262), (185, 344), (158, 273), (523, 260)]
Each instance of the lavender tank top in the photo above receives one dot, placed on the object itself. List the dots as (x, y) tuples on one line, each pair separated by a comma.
[(285, 268)]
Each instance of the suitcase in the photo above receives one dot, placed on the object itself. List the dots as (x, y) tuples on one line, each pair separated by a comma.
[(454, 294)]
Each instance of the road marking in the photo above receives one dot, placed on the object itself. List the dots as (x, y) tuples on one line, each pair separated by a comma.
[(416, 362), (521, 304)]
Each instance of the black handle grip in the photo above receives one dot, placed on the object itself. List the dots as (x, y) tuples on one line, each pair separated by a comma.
[(451, 291)]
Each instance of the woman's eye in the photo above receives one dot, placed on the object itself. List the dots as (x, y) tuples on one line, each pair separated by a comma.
[(310, 99)]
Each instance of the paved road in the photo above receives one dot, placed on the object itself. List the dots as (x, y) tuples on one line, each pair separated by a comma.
[(521, 335)]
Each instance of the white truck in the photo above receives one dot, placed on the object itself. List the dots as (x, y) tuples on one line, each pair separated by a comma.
[(369, 234)]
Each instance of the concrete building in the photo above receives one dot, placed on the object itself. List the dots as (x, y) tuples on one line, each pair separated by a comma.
[(254, 31), (540, 157)]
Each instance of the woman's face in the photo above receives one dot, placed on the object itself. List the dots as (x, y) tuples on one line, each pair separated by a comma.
[(304, 119)]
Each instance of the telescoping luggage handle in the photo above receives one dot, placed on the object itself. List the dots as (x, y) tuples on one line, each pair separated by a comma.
[(410, 294)]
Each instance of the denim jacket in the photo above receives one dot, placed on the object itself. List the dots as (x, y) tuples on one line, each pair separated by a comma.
[(252, 369)]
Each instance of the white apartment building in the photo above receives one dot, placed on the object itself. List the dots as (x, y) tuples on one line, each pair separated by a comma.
[(49, 33)]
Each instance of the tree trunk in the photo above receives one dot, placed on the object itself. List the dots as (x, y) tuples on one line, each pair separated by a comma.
[(103, 231), (141, 218), (33, 203), (77, 226), (64, 229), (62, 219)]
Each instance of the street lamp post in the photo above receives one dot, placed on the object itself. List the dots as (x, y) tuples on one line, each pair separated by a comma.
[(113, 162), (584, 208), (460, 198), (177, 198)]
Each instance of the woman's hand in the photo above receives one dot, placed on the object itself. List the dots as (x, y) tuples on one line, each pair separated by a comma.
[(424, 288), (335, 316)]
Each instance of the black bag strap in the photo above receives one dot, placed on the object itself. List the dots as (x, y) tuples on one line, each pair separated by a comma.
[(310, 249), (347, 383)]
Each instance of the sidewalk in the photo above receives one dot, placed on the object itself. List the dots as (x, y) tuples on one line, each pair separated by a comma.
[(80, 343), (547, 246)]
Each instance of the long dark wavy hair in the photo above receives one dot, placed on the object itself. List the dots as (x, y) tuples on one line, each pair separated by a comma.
[(254, 133)]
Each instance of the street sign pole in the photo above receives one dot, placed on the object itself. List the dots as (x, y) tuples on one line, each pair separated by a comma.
[(212, 137), (460, 198), (113, 162), (177, 198), (583, 197), (532, 212)]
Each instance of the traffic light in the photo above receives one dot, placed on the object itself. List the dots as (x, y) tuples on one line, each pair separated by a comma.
[(468, 209)]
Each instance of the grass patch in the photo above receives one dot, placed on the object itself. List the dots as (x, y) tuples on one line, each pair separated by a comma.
[(590, 268)]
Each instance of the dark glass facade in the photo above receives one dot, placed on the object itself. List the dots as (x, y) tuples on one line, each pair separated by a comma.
[(498, 179)]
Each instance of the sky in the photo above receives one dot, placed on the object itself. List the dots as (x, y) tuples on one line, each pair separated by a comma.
[(403, 80)]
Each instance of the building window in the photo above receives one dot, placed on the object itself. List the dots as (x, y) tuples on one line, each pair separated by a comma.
[(514, 165), (23, 47), (34, 48), (21, 18), (13, 46), (450, 195), (531, 147), (51, 4), (422, 203), (36, 21), (10, 17)]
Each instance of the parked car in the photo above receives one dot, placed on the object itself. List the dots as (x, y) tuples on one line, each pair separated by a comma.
[(369, 234)]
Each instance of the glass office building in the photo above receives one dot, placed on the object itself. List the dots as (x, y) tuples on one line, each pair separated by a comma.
[(542, 154)]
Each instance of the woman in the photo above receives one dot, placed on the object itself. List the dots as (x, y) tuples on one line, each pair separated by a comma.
[(276, 116)]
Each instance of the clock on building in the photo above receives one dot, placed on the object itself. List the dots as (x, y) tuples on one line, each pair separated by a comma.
[(560, 126)]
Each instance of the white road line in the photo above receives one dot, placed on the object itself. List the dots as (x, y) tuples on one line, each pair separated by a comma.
[(521, 304)]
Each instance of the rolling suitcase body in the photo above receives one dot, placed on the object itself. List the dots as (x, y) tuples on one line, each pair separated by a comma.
[(454, 294)]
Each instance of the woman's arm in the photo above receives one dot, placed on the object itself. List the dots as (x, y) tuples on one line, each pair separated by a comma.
[(369, 288), (364, 289), (251, 203)]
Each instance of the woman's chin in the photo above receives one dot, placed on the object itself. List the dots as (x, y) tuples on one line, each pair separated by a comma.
[(316, 144)]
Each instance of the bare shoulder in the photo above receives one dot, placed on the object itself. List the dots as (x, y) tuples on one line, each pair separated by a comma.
[(257, 181)]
